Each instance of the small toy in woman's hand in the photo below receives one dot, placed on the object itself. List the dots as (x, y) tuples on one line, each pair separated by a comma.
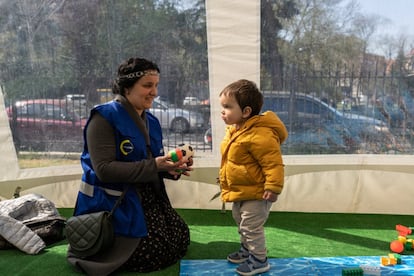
[(183, 151)]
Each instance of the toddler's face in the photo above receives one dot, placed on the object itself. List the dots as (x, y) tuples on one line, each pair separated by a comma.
[(231, 112)]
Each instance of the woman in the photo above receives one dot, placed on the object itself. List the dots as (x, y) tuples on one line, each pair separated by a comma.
[(123, 151)]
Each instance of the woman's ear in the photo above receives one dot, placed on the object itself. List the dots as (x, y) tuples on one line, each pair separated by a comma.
[(247, 111)]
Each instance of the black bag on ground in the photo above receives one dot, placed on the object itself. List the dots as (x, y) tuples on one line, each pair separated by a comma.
[(49, 229), (90, 234)]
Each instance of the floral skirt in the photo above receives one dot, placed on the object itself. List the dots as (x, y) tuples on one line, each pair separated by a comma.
[(168, 236)]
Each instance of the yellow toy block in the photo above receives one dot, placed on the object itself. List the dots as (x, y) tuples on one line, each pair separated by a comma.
[(388, 260)]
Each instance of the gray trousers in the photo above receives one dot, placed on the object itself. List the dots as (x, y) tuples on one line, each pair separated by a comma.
[(250, 216)]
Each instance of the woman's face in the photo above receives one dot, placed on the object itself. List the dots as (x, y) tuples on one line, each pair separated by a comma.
[(142, 94)]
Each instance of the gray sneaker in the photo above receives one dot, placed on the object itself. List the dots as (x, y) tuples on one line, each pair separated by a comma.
[(253, 266), (238, 257)]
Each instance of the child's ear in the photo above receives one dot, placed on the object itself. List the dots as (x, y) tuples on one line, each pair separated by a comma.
[(246, 112)]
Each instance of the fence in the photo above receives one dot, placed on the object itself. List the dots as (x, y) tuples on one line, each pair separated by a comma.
[(329, 112), (345, 110)]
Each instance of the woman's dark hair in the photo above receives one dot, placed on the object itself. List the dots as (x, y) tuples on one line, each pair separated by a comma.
[(129, 72), (246, 93)]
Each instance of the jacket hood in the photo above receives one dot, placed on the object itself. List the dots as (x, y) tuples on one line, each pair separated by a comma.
[(271, 120)]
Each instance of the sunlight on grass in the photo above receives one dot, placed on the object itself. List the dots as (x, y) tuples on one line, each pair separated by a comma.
[(371, 233), (38, 160), (206, 234)]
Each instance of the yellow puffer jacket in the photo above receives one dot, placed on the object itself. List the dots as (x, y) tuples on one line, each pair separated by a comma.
[(251, 158)]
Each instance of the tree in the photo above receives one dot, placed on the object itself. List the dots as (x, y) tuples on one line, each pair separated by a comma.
[(193, 42), (81, 63), (76, 46), (272, 13), (28, 27)]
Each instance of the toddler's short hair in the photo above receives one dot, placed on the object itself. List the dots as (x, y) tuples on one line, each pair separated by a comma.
[(246, 93)]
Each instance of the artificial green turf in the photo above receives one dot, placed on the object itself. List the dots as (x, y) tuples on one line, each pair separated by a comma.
[(214, 235)]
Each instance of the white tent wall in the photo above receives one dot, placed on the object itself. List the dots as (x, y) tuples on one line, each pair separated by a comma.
[(322, 183), (9, 167), (56, 183)]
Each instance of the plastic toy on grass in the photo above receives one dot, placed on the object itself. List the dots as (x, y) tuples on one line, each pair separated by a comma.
[(402, 243), (403, 230), (397, 246)]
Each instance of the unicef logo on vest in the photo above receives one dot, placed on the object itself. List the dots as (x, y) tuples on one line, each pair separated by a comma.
[(126, 147)]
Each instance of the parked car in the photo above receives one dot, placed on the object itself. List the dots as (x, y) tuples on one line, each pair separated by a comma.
[(407, 105), (76, 99), (45, 124), (177, 119), (391, 111), (191, 101), (208, 137), (77, 103), (304, 113), (367, 111)]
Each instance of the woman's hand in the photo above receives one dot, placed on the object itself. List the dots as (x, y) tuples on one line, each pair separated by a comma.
[(188, 163), (164, 163), (188, 166), (182, 166)]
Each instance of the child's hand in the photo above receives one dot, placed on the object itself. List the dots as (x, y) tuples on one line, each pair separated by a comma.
[(270, 196)]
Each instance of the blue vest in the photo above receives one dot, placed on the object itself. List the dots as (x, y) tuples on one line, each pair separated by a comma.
[(131, 146)]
